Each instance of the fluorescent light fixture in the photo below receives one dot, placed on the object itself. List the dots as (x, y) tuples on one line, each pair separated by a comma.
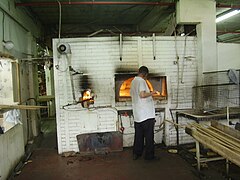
[(228, 15), (8, 44)]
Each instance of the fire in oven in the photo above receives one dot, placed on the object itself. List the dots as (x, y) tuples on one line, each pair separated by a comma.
[(154, 82), (87, 98), (87, 95)]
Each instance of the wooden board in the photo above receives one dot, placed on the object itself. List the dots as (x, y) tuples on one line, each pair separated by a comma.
[(28, 107), (45, 98), (216, 147), (233, 132)]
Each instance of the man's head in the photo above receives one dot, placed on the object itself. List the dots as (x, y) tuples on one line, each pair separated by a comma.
[(143, 72)]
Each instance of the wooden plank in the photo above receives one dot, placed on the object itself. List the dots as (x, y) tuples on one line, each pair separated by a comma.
[(219, 136), (21, 107), (45, 98), (233, 132), (216, 147)]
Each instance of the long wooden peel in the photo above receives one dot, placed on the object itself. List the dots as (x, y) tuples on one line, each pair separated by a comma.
[(27, 107), (222, 143), (217, 140), (223, 137), (233, 139), (218, 148), (230, 131)]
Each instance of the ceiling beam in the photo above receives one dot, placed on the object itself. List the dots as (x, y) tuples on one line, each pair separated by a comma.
[(228, 32), (218, 5), (230, 39), (94, 3), (55, 3)]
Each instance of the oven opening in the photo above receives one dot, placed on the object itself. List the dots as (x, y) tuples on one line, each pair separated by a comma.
[(123, 85), (87, 98)]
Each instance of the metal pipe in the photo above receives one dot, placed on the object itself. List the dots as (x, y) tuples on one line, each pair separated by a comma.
[(95, 3), (114, 3), (154, 46), (227, 115), (106, 33), (177, 130), (120, 46)]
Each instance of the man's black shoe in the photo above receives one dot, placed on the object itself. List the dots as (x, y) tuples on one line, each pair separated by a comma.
[(135, 156)]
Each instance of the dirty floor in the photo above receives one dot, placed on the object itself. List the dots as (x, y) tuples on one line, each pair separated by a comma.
[(46, 164)]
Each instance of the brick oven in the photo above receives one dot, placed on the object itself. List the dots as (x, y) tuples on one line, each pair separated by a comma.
[(108, 107)]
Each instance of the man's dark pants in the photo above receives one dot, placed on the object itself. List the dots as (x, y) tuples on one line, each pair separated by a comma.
[(145, 130)]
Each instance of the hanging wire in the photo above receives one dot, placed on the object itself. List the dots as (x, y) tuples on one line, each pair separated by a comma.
[(3, 29), (177, 62), (184, 55), (59, 34)]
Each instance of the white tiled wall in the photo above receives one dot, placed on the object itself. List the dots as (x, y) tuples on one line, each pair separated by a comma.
[(99, 58)]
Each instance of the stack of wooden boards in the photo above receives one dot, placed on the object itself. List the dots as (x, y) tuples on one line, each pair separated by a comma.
[(222, 139)]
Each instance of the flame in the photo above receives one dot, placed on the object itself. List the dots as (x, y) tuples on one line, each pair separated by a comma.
[(164, 88), (149, 85), (124, 90), (87, 95), (126, 85)]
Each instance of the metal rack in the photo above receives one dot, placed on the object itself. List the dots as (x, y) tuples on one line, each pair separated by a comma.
[(219, 90)]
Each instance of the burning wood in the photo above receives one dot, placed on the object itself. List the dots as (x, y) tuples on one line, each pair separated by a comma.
[(87, 98)]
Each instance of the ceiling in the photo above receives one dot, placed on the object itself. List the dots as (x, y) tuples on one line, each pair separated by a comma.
[(81, 18)]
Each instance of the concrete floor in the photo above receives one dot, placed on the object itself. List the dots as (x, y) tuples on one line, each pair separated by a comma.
[(46, 164)]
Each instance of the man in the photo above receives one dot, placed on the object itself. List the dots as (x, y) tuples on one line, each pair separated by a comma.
[(144, 115)]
